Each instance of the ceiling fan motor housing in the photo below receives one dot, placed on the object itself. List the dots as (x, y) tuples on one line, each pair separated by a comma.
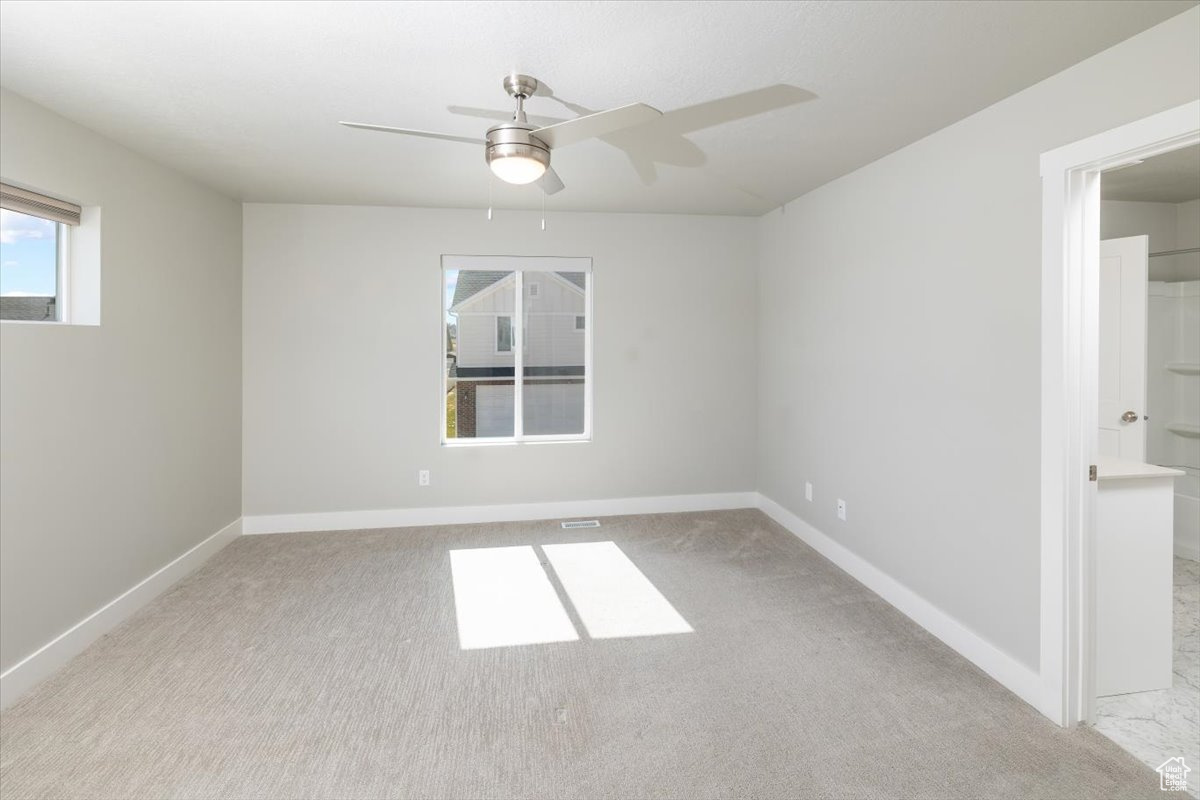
[(514, 139)]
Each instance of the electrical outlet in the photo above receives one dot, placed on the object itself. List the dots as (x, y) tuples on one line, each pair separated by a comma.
[(808, 491), (841, 509), (423, 478)]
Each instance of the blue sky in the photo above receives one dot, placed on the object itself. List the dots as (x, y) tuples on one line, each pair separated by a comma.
[(28, 255)]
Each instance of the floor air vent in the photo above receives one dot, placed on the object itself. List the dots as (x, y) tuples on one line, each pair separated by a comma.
[(586, 523)]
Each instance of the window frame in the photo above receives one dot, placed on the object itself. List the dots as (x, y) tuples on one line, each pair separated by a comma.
[(62, 276), (518, 265)]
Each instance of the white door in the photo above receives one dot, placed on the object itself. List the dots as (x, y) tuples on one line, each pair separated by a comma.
[(1122, 380)]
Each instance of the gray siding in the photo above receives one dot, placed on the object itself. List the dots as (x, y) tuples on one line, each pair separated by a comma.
[(477, 342), (550, 335)]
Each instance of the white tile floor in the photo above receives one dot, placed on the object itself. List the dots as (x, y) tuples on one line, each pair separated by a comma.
[(1155, 726)]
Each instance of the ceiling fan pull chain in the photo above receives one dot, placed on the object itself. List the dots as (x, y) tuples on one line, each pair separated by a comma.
[(543, 211), (489, 197)]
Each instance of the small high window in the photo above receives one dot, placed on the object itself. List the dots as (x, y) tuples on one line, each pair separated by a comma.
[(34, 239)]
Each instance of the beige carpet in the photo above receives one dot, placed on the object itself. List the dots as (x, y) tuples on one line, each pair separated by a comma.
[(327, 666)]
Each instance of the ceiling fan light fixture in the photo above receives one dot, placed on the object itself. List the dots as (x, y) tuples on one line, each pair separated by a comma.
[(518, 169), (517, 151), (514, 154)]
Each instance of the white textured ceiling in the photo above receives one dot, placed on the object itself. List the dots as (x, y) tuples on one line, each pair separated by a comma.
[(245, 95), (1173, 177)]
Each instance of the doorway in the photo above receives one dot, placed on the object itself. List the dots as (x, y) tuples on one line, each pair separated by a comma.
[(1146, 659), (1071, 391)]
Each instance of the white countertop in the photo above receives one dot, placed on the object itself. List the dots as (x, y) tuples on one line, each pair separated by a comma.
[(1111, 468)]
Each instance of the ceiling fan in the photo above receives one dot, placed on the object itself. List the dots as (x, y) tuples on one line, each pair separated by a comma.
[(518, 151)]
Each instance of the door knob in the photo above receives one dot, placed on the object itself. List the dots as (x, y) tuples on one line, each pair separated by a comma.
[(1129, 416)]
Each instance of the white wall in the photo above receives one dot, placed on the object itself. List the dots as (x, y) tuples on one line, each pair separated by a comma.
[(1170, 226), (120, 441), (1119, 218), (1187, 227), (1162, 329), (1174, 336), (343, 357), (899, 349)]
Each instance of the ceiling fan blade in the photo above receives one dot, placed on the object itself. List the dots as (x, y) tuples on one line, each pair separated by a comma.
[(502, 116), (550, 182), (599, 124), (427, 134), (735, 106)]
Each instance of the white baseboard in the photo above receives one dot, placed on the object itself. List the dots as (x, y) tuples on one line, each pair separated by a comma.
[(459, 515), (47, 659), (1018, 678)]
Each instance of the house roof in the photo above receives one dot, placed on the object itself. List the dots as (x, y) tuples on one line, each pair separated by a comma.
[(473, 281)]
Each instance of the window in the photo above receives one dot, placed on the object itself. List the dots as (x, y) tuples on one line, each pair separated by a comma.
[(34, 231), (503, 334), (516, 370)]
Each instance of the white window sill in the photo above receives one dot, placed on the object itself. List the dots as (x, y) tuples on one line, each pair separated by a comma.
[(48, 323), (509, 442)]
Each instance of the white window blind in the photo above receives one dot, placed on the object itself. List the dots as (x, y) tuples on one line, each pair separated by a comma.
[(38, 205)]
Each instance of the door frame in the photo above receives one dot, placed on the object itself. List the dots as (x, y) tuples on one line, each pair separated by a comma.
[(1070, 338)]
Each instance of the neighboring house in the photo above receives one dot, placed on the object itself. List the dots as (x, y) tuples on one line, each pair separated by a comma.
[(554, 310)]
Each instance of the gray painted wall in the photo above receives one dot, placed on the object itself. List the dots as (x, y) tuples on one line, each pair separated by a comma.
[(341, 399), (121, 442), (899, 339)]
